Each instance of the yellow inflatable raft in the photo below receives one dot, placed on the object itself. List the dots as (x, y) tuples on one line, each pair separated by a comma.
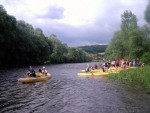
[(110, 70), (89, 74), (35, 79), (95, 70), (99, 72)]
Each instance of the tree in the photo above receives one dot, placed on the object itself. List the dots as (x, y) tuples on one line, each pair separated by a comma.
[(59, 50), (129, 29), (146, 28), (146, 58), (77, 55), (129, 22), (7, 37), (43, 46), (33, 46), (147, 13), (116, 48), (129, 41)]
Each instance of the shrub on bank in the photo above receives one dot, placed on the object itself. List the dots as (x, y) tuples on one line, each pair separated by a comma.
[(139, 76), (146, 58)]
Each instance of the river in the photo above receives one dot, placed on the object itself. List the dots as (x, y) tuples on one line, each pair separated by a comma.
[(65, 92)]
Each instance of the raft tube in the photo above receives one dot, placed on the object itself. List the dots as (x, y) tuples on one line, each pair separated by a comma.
[(89, 74), (95, 70), (35, 79)]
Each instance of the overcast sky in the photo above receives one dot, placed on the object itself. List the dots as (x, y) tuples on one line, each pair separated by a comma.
[(76, 22)]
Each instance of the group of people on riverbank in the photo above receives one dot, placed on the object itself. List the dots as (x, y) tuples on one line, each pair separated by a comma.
[(123, 64), (31, 72), (116, 64)]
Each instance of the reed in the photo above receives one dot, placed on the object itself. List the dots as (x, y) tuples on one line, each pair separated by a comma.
[(140, 75)]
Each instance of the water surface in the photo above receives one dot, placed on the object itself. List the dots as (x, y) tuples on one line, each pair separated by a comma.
[(65, 92)]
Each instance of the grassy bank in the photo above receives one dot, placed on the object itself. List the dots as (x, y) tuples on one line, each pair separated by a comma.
[(139, 76)]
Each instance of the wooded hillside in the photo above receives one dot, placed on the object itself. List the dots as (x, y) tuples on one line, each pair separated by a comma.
[(94, 48)]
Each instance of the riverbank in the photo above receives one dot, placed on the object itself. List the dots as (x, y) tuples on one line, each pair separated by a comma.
[(139, 76)]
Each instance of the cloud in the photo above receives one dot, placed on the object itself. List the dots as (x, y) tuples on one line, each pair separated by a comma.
[(75, 22), (52, 12), (78, 35)]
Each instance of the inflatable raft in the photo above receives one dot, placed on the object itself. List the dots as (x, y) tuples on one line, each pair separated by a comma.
[(35, 79), (89, 74), (95, 70), (99, 72)]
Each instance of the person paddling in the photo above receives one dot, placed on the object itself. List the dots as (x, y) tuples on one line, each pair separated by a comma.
[(88, 68), (44, 71), (31, 72)]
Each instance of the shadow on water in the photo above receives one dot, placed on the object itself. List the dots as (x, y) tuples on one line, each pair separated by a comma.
[(65, 92)]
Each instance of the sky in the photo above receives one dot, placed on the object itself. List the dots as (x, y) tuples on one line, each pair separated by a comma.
[(76, 22)]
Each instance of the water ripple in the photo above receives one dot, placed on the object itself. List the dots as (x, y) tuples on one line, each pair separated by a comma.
[(65, 92)]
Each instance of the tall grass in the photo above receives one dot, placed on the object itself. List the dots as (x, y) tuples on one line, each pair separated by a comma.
[(139, 76)]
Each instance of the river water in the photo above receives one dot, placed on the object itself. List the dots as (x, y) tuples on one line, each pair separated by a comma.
[(65, 92)]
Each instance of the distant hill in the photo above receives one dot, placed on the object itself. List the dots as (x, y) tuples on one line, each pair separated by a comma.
[(94, 48)]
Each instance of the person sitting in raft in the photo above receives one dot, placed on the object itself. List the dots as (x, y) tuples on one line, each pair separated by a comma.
[(113, 63), (44, 71), (40, 70), (95, 66), (105, 67), (39, 73), (31, 72), (88, 68)]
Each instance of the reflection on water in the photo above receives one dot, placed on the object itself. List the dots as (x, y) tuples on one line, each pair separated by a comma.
[(65, 92)]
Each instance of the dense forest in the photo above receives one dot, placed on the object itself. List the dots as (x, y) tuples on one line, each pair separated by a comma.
[(132, 41), (21, 44), (94, 48)]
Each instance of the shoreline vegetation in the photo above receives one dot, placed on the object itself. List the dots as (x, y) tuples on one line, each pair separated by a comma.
[(138, 76), (132, 41)]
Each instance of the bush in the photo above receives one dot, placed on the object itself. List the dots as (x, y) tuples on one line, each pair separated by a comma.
[(146, 58), (139, 76)]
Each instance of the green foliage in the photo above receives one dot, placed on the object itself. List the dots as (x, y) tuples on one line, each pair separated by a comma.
[(7, 38), (94, 48), (146, 38), (77, 55), (129, 22), (138, 76), (61, 53), (59, 50), (115, 49), (131, 41), (32, 44), (147, 13), (146, 58), (20, 43)]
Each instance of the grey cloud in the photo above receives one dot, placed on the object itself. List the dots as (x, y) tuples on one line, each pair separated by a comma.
[(98, 32), (77, 36), (53, 12)]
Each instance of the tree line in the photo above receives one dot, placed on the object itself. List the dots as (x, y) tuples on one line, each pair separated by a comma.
[(131, 41), (94, 48), (21, 44)]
